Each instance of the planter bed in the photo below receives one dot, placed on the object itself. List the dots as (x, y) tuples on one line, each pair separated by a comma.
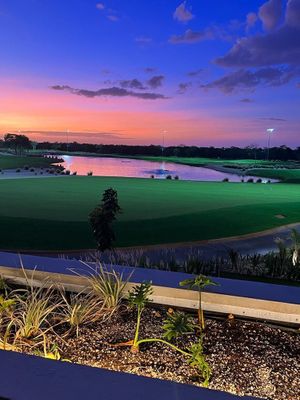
[(245, 358), (33, 378)]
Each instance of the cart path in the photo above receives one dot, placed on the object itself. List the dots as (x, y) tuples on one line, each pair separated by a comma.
[(254, 243)]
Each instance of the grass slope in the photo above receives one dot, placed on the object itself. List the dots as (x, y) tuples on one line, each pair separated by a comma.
[(11, 162), (53, 213), (288, 175)]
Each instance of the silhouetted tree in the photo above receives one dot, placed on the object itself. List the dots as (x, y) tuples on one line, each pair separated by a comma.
[(17, 142), (102, 218)]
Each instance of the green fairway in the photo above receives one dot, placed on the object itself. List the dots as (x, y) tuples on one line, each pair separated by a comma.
[(289, 175), (12, 162), (53, 213)]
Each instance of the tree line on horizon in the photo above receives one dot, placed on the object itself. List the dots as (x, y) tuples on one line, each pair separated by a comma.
[(283, 153)]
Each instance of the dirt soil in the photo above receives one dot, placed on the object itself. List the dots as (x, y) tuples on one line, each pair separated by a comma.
[(246, 358)]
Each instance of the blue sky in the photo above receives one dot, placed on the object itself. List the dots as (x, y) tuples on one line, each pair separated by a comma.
[(209, 72)]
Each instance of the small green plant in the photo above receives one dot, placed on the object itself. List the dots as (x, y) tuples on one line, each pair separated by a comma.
[(138, 298), (33, 309), (199, 283), (109, 286), (52, 353), (6, 304), (197, 359), (176, 325), (81, 309)]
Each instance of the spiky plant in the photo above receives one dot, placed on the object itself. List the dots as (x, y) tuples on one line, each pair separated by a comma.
[(199, 283), (34, 308), (176, 325), (81, 309), (109, 286)]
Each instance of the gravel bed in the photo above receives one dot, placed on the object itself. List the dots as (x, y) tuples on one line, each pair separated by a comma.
[(246, 358)]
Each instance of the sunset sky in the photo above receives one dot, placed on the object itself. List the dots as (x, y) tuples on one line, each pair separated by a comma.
[(209, 72)]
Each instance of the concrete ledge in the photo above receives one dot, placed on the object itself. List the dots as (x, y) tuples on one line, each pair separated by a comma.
[(232, 296), (26, 377)]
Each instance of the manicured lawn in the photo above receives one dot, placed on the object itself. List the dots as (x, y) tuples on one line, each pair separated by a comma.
[(10, 162), (290, 175), (53, 213), (200, 161)]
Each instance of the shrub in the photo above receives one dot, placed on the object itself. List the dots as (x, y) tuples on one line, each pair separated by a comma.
[(26, 167), (225, 180), (81, 309), (169, 177), (33, 309), (90, 173), (176, 177), (152, 176), (259, 180), (18, 170), (250, 180), (74, 173), (32, 169), (177, 324), (67, 172), (108, 286)]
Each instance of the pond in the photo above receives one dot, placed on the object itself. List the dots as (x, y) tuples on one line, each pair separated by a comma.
[(125, 167)]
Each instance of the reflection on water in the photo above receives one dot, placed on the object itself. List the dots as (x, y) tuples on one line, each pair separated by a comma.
[(109, 166)]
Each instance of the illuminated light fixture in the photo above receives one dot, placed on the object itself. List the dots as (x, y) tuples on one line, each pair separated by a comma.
[(269, 132)]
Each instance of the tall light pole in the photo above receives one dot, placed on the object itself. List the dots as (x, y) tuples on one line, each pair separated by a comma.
[(163, 142), (162, 150), (269, 132), (67, 140)]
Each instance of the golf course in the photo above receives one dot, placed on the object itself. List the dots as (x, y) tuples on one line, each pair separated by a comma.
[(12, 161), (52, 213)]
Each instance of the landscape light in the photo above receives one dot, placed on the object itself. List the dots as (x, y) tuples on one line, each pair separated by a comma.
[(269, 131)]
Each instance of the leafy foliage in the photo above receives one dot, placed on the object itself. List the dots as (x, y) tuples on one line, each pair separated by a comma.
[(176, 325), (139, 295), (199, 282), (197, 359)]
